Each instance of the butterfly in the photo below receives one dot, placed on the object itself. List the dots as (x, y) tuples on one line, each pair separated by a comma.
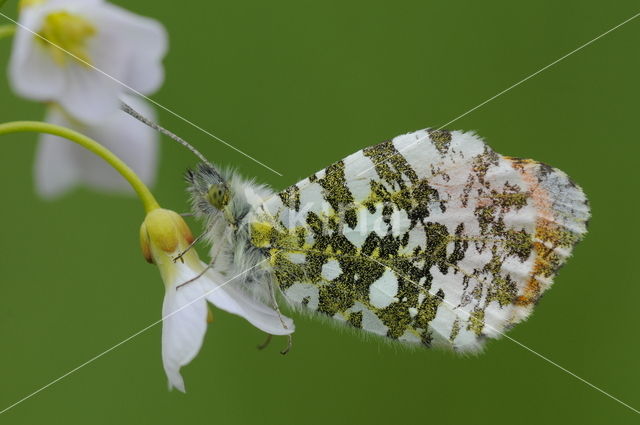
[(430, 238)]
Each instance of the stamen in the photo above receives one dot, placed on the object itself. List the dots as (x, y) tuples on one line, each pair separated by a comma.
[(63, 33)]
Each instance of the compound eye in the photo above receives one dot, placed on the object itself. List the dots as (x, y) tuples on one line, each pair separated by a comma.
[(218, 196)]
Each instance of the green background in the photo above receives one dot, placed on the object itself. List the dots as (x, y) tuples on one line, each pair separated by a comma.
[(300, 84)]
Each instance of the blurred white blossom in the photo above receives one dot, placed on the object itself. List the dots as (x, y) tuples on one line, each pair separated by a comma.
[(60, 45), (83, 57), (60, 166)]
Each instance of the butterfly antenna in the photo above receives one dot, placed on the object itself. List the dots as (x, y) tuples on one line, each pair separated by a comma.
[(135, 114)]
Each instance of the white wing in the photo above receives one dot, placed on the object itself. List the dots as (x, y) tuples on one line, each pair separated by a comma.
[(430, 238)]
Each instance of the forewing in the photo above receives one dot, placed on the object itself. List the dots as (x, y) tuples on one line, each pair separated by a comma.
[(431, 238)]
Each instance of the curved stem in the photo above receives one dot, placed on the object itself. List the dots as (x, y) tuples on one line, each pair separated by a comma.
[(7, 30), (145, 195)]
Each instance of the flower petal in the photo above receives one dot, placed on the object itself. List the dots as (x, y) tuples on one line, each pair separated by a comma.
[(60, 164), (183, 328), (236, 301), (71, 4), (32, 71), (56, 166), (89, 96), (132, 141), (127, 49), (142, 42)]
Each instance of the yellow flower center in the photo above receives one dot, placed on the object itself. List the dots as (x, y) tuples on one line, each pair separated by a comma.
[(64, 32)]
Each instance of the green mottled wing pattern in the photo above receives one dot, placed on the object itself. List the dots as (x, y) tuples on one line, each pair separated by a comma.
[(431, 238)]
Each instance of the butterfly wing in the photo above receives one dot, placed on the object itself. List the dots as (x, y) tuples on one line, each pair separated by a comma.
[(431, 238)]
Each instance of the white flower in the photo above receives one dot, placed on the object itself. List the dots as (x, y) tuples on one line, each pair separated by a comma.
[(59, 165), (163, 235), (126, 46)]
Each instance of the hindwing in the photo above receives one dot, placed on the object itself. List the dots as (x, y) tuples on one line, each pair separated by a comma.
[(431, 237)]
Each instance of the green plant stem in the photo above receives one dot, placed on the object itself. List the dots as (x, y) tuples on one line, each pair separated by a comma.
[(148, 200), (7, 30)]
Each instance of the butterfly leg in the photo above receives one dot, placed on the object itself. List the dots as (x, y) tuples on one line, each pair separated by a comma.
[(272, 292), (289, 344), (195, 241), (265, 343), (216, 249), (268, 341), (199, 275)]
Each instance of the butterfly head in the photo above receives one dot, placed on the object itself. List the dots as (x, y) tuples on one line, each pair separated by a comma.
[(210, 193), (218, 195)]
